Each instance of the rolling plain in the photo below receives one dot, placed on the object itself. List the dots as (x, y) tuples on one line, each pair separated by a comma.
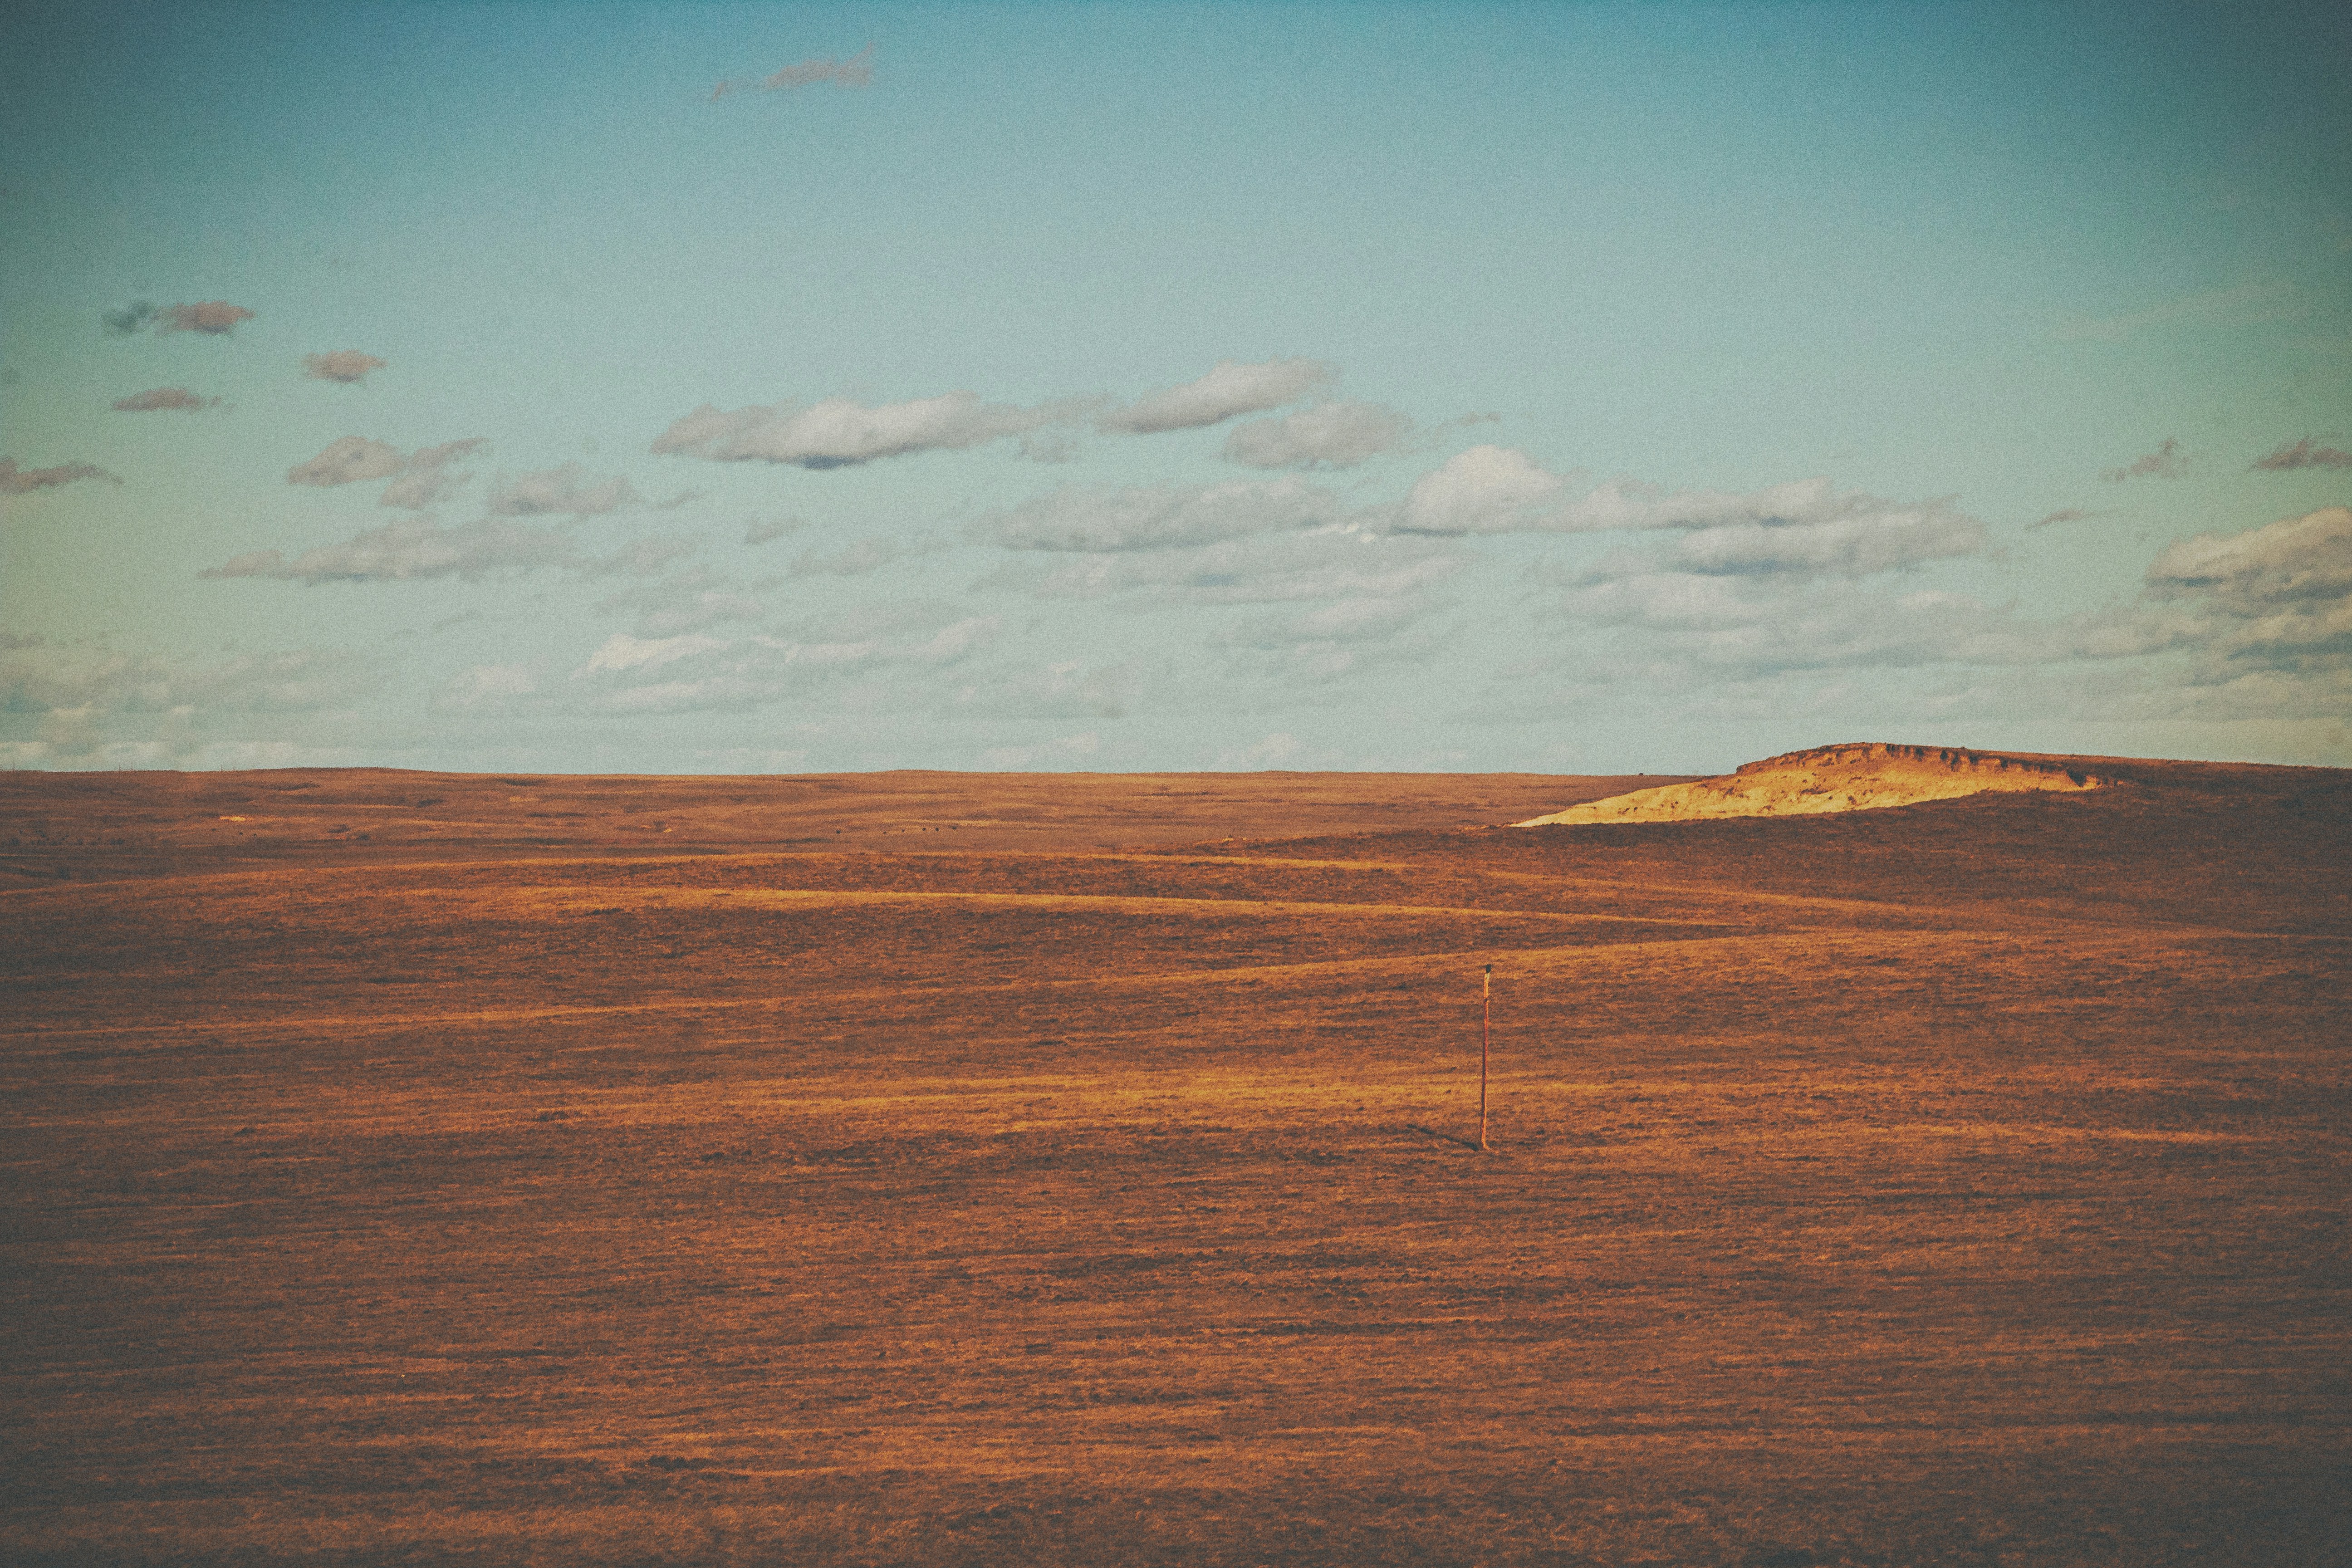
[(939, 1169)]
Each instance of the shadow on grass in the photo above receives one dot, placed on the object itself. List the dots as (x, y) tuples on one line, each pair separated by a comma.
[(1469, 1144)]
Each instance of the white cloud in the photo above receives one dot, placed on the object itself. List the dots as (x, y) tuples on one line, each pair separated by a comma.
[(1231, 388), (2273, 602), (2296, 560), (1331, 435), (1804, 526), (1670, 627), (93, 707), (2278, 597), (1623, 504), (348, 460), (559, 490), (837, 433), (35, 677), (1857, 546), (1159, 517), (1486, 490)]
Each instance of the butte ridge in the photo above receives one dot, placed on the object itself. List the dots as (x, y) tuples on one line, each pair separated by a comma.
[(1858, 776)]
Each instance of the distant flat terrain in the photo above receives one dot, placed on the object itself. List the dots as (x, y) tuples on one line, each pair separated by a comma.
[(1070, 1170), (102, 825)]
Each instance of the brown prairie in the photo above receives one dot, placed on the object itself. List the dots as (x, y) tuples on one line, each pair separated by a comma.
[(967, 1169)]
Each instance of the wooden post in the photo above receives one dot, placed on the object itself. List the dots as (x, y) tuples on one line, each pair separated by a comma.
[(1486, 1033)]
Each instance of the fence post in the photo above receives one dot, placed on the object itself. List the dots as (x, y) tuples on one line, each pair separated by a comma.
[(1486, 1033)]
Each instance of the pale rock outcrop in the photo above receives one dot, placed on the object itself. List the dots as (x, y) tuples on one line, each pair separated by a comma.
[(1860, 777)]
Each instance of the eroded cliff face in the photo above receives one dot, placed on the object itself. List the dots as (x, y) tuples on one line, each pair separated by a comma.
[(1866, 777)]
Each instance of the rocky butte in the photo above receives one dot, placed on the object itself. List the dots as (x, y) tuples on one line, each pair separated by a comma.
[(1860, 776)]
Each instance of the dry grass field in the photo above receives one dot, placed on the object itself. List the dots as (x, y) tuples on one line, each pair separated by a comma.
[(934, 1169)]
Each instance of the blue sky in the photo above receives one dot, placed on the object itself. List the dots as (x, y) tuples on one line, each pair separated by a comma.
[(1575, 388)]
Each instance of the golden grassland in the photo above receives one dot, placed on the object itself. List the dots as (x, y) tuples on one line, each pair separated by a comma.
[(936, 1169)]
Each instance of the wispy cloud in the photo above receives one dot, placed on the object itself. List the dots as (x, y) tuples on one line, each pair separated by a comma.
[(696, 671), (345, 366), (486, 684), (1330, 564), (838, 432), (686, 600), (216, 318), (1157, 517), (2067, 514), (2302, 454), (1330, 436), (16, 481), (2244, 305), (761, 530), (2263, 619), (427, 475), (1498, 489), (34, 677), (412, 548), (1879, 540), (559, 490), (856, 70), (162, 398), (347, 460), (96, 707), (125, 319), (638, 558), (1330, 641), (851, 560), (2165, 463), (1230, 388)]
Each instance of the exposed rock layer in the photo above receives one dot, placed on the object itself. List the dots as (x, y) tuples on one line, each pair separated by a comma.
[(1865, 776)]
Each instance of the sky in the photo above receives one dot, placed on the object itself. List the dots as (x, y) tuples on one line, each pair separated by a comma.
[(577, 387)]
